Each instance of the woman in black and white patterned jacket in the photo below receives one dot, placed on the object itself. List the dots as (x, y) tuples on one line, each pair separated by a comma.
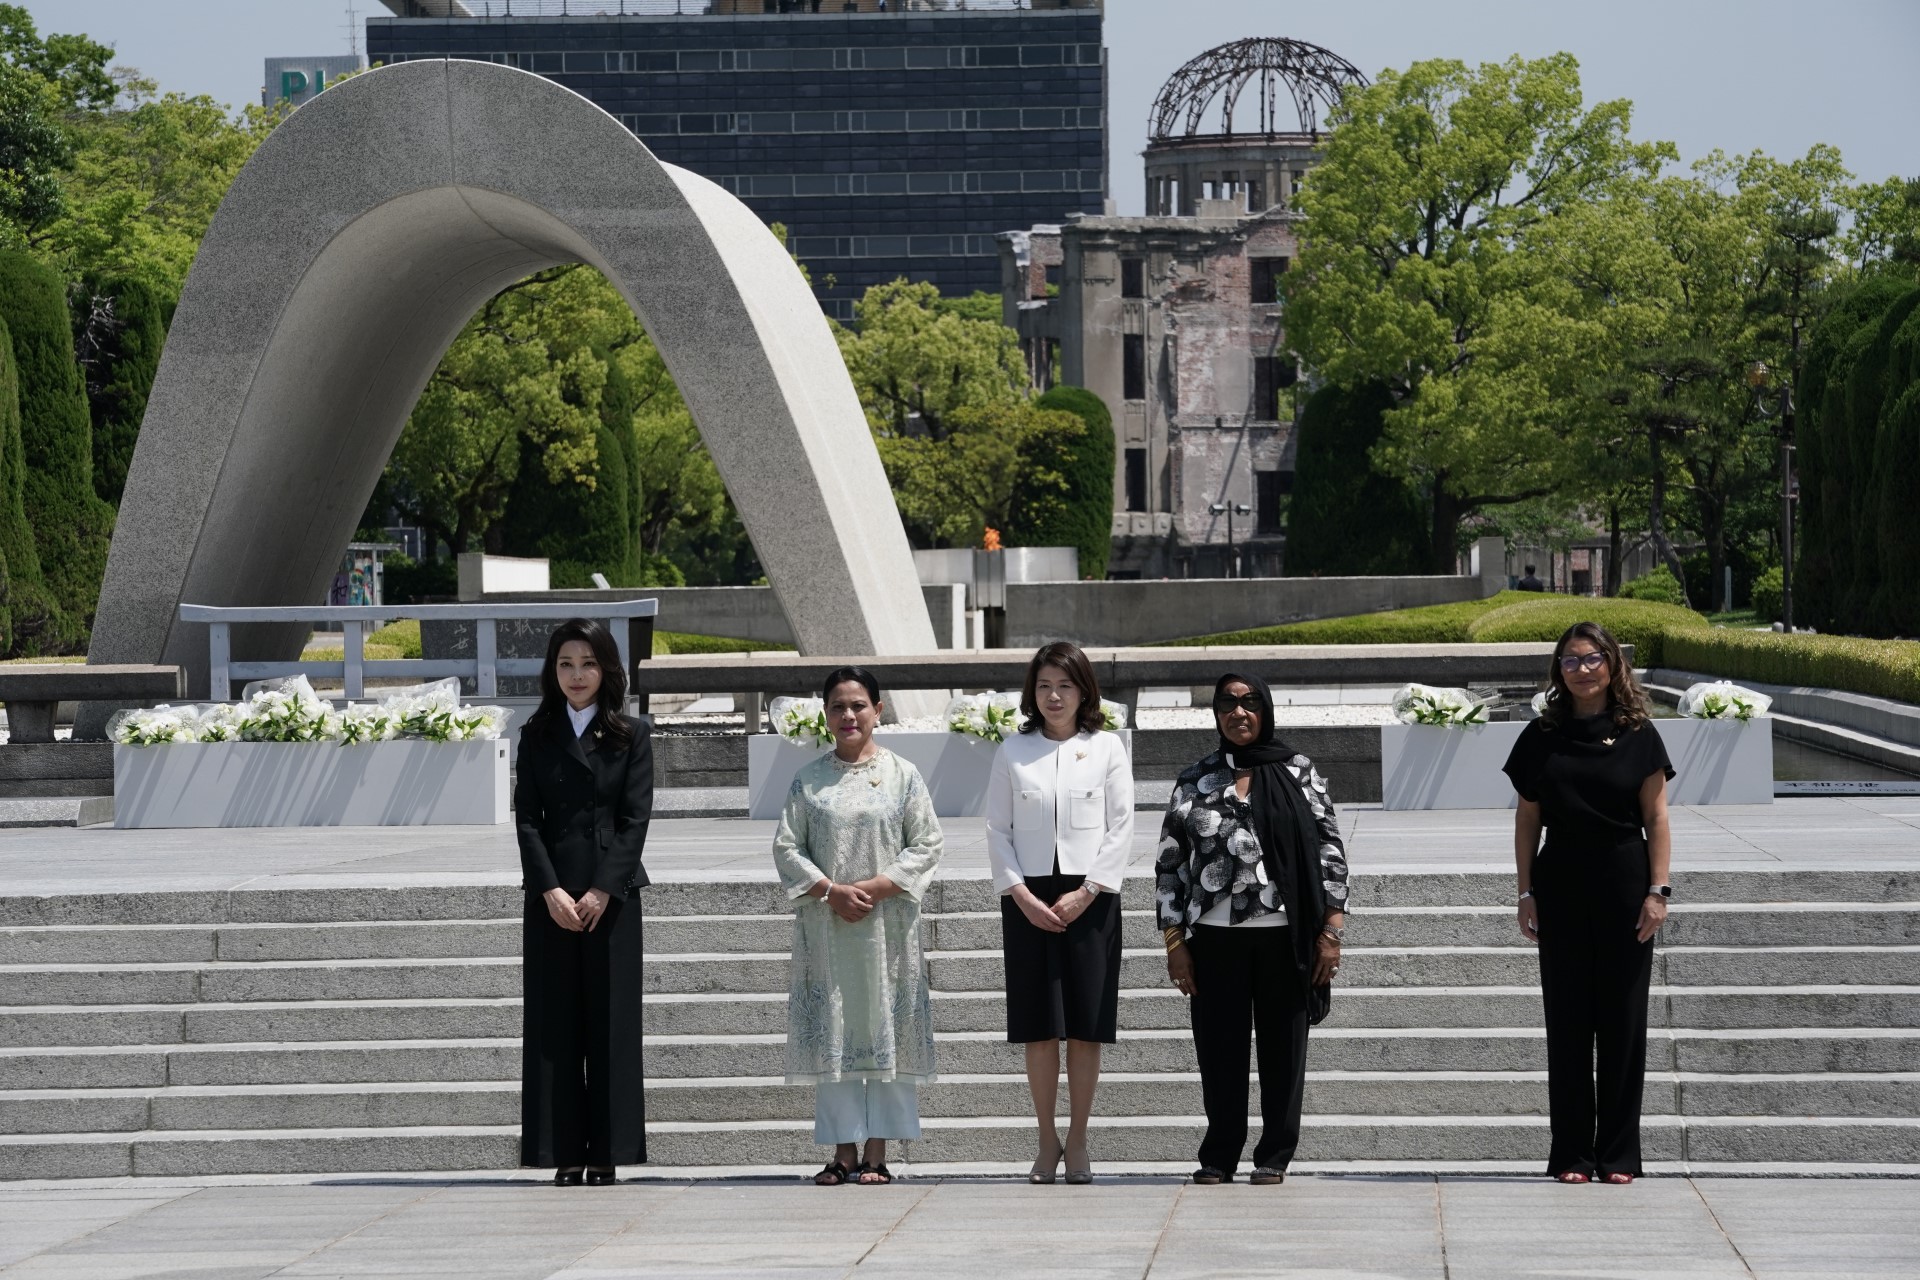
[(1251, 894)]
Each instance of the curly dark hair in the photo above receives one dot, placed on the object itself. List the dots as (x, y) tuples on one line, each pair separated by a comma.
[(1625, 699), (1068, 657)]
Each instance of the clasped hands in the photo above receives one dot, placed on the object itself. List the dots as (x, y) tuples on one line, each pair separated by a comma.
[(1067, 908), (855, 902), (576, 915), (1653, 914)]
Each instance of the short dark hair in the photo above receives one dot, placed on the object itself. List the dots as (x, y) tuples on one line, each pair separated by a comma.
[(1069, 658), (1529, 568), (612, 698), (857, 675)]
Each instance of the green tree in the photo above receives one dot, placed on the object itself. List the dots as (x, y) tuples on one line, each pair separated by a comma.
[(1063, 490), (33, 623), (1345, 518), (71, 526), (1416, 254), (915, 362), (120, 326), (41, 82), (1894, 607)]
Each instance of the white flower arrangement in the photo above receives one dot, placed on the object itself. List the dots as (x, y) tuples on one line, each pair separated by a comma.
[(154, 725), (290, 711), (1723, 700), (801, 721), (1540, 704), (1113, 716), (1423, 704), (988, 716)]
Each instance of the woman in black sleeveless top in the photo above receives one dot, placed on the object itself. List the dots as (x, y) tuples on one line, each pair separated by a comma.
[(1593, 773)]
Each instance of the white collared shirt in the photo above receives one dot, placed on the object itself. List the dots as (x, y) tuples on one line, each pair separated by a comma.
[(582, 718)]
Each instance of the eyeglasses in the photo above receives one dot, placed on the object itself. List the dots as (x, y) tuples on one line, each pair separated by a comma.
[(1583, 662), (1247, 702)]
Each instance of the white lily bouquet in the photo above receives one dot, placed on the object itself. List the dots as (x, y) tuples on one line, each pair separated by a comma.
[(801, 721), (1723, 700), (1113, 716), (987, 716), (1423, 704), (290, 711)]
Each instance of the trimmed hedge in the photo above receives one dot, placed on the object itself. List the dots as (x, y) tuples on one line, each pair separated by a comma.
[(128, 358), (1433, 623), (1643, 624), (1878, 668), (403, 635), (71, 526), (665, 642), (1082, 517), (1659, 586), (29, 621)]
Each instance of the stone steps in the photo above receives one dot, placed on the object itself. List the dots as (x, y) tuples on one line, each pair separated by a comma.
[(350, 1030), (723, 1101), (789, 1143), (383, 1016), (1824, 924)]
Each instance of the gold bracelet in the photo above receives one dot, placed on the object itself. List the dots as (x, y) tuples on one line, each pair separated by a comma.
[(1174, 938)]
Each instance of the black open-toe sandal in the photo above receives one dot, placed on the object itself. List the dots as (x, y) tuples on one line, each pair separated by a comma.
[(880, 1172), (1208, 1176), (834, 1175)]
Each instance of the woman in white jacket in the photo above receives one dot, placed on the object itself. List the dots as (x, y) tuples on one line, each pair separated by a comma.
[(1059, 832)]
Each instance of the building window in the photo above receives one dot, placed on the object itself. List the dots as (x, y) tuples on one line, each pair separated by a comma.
[(1271, 376), (1136, 479), (1133, 277), (1270, 488), (1133, 351), (1266, 279)]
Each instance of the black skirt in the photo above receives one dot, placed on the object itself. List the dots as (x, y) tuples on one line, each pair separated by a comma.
[(1062, 985)]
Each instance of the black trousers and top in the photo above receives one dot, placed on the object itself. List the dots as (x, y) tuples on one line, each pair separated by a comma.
[(1590, 879), (1216, 882), (582, 803)]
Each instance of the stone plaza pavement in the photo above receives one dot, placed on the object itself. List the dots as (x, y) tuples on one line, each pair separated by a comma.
[(1859, 833), (1321, 1227)]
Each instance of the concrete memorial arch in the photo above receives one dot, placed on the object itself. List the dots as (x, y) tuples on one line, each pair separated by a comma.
[(341, 265)]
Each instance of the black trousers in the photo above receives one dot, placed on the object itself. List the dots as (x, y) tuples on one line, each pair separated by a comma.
[(1245, 983), (1594, 975), (581, 1100)]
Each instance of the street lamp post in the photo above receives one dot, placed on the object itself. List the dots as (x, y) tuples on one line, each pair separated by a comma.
[(1231, 509), (1758, 375)]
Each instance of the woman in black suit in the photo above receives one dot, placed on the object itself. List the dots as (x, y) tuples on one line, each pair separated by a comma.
[(582, 801), (1592, 774)]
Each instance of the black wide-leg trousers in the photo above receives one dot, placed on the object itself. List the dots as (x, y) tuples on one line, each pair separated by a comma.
[(582, 1099), (1594, 975), (1246, 990)]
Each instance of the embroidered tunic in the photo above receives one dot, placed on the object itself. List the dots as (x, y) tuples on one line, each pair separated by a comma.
[(857, 1006), (1210, 853)]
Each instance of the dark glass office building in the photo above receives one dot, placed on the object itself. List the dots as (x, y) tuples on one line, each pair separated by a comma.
[(891, 143)]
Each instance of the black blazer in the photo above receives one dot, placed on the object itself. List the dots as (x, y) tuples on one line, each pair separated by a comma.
[(582, 805)]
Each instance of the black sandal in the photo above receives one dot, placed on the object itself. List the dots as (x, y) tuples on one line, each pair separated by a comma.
[(834, 1175), (879, 1170), (1208, 1176)]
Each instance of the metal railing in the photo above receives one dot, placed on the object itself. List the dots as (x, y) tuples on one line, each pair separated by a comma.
[(485, 668)]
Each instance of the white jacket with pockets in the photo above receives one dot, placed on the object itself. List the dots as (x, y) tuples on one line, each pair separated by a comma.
[(1072, 800)]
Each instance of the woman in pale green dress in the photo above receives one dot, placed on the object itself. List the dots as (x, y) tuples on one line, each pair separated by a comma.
[(856, 848)]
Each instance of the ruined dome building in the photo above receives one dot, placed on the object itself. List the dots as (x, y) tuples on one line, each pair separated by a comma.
[(1174, 319)]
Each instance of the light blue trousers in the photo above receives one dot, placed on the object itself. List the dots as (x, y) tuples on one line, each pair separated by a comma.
[(856, 1110)]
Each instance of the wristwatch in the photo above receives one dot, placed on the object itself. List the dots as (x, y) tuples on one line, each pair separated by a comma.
[(1660, 890), (1338, 935), (1091, 887)]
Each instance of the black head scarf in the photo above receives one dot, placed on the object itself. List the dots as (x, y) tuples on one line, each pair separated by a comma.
[(1289, 837)]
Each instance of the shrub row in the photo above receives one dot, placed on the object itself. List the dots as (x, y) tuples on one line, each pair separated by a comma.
[(666, 642), (1644, 624), (1879, 668), (1428, 624)]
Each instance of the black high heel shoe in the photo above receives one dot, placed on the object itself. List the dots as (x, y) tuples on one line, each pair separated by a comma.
[(602, 1177), (567, 1177)]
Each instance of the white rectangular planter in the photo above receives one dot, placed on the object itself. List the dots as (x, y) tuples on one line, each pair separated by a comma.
[(956, 767), (1436, 767), (405, 783)]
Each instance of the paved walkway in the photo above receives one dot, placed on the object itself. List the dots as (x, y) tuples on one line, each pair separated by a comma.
[(1324, 1228), (1858, 833)]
